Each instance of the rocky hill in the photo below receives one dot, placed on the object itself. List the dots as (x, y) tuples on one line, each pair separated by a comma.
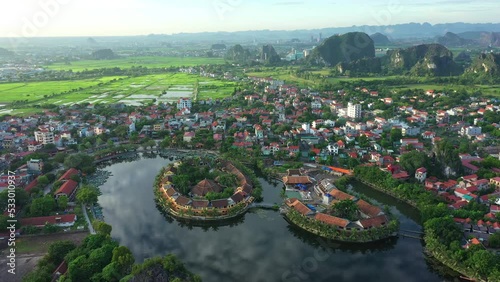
[(453, 40), (103, 54), (486, 64), (343, 48), (482, 37), (268, 55), (361, 66), (425, 59), (380, 39), (238, 53)]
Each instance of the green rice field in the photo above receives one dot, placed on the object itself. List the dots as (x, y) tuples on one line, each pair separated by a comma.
[(149, 62), (135, 91)]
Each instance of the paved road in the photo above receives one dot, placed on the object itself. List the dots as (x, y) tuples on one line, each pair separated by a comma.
[(91, 229), (49, 187)]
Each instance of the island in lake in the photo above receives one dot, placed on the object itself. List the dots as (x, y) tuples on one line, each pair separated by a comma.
[(326, 211), (205, 189)]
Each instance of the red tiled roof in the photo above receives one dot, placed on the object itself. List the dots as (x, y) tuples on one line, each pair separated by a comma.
[(296, 180), (339, 195), (31, 185), (67, 175), (331, 220), (368, 209), (182, 201), (62, 268), (41, 221), (374, 221), (459, 205), (67, 188)]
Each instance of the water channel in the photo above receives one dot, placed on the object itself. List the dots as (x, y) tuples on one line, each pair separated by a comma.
[(259, 246)]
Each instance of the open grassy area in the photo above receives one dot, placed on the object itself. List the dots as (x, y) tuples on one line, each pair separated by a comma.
[(150, 62), (32, 91), (129, 90), (39, 244)]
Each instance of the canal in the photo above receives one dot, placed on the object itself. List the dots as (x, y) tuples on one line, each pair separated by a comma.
[(259, 246)]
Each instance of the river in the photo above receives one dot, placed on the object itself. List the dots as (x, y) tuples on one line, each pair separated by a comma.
[(259, 246)]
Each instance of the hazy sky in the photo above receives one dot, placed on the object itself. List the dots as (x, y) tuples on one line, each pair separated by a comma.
[(134, 17)]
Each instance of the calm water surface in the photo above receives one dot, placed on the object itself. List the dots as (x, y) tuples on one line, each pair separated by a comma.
[(260, 246)]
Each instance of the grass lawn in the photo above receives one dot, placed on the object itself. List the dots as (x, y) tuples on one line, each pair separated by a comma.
[(150, 62), (40, 244)]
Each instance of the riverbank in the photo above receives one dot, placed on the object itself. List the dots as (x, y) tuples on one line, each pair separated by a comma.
[(385, 191), (342, 235), (440, 256)]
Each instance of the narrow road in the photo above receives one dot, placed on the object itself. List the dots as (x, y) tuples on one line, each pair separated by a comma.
[(91, 229)]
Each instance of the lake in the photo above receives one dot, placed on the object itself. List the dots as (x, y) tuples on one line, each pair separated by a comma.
[(259, 246)]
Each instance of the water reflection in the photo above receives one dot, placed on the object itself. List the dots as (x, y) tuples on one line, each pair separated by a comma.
[(259, 246), (205, 225)]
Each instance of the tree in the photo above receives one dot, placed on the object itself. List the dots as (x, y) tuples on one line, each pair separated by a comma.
[(166, 142), (62, 202), (227, 180), (22, 198), (396, 135), (482, 262), (444, 229), (3, 222), (59, 249), (42, 206), (121, 131), (345, 209), (59, 157), (123, 258), (43, 180), (75, 177), (494, 240), (414, 160), (149, 144), (47, 167), (102, 227), (182, 183), (87, 194)]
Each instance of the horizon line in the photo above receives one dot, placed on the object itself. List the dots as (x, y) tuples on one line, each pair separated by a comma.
[(248, 30)]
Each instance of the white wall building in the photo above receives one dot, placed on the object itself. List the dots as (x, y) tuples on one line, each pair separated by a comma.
[(184, 103), (44, 137), (470, 131), (354, 110)]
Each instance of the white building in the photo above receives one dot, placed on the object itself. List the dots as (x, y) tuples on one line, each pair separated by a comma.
[(34, 165), (410, 131), (470, 131), (315, 105), (421, 174), (354, 110), (333, 149), (184, 103), (44, 137)]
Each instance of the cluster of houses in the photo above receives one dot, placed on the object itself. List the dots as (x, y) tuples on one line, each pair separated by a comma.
[(196, 203), (459, 193), (254, 127), (68, 188), (305, 198)]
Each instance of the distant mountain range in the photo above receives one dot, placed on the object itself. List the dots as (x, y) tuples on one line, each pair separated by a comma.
[(470, 38), (399, 31)]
